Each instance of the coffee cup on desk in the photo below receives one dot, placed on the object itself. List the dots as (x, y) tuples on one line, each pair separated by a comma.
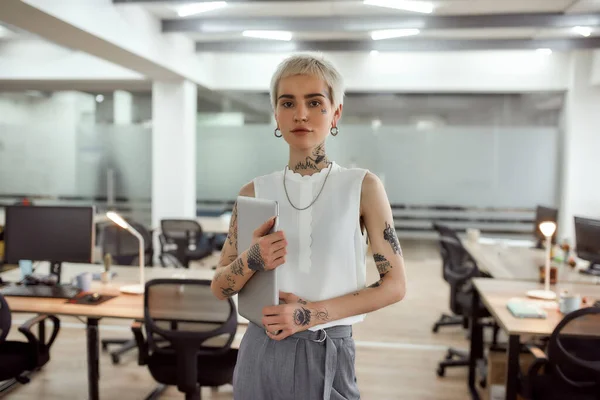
[(569, 303), (473, 235), (83, 281)]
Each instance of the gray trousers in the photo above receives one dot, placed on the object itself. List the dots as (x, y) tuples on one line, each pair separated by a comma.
[(305, 366)]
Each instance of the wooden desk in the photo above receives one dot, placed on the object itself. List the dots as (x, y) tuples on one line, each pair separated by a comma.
[(123, 306), (522, 263), (495, 293)]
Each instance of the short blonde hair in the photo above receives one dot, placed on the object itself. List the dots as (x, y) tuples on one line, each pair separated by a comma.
[(310, 64)]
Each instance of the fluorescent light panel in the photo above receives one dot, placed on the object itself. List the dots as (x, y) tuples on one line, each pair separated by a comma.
[(546, 52), (393, 33), (198, 8), (583, 30), (424, 7), (271, 35)]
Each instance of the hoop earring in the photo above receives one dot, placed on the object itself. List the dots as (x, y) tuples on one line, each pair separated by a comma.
[(334, 131), (275, 133)]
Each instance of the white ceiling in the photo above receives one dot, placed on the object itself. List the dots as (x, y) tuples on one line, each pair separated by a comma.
[(347, 8), (288, 9)]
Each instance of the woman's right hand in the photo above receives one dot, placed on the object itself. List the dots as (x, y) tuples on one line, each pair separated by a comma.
[(268, 250)]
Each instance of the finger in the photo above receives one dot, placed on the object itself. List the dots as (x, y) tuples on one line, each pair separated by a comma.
[(276, 237), (265, 227), (282, 244), (279, 253), (272, 320), (276, 263), (272, 310), (280, 336)]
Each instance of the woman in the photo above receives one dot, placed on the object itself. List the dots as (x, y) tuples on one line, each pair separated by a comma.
[(305, 350)]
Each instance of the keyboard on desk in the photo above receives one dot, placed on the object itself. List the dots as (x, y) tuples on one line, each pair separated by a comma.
[(57, 292)]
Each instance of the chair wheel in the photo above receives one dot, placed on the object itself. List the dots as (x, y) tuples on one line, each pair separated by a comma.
[(435, 329), (441, 371), (483, 383), (23, 380), (104, 346), (448, 356), (115, 359)]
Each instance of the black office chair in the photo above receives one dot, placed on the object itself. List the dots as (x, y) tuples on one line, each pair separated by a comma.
[(458, 318), (458, 270), (183, 240), (571, 368), (180, 317), (18, 359), (124, 250)]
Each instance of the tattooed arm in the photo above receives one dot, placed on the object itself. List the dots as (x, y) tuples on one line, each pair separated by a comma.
[(298, 314), (232, 272), (266, 252)]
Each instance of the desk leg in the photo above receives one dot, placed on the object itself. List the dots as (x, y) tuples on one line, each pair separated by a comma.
[(476, 348), (93, 355), (512, 371)]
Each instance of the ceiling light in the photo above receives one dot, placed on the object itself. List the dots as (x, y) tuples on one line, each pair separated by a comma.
[(374, 53), (407, 5), (271, 35), (546, 52), (393, 33), (583, 30), (99, 98), (197, 8)]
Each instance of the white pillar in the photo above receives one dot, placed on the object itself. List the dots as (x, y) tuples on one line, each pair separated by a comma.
[(173, 150), (580, 194), (122, 108)]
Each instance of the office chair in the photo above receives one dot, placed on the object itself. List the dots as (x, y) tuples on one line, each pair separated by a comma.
[(458, 270), (180, 317), (17, 358), (183, 240), (448, 235), (571, 367), (124, 250)]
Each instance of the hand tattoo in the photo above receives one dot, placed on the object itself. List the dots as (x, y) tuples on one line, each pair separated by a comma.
[(301, 316), (255, 260), (389, 234)]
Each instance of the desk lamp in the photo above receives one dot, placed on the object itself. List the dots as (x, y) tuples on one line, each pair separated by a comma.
[(547, 228), (133, 289)]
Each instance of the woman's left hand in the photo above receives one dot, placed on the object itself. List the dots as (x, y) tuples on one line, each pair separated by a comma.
[(286, 319)]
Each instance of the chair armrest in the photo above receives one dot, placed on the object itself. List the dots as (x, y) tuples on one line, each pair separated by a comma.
[(142, 345), (25, 329)]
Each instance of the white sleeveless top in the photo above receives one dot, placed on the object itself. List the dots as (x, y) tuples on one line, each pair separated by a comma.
[(326, 249)]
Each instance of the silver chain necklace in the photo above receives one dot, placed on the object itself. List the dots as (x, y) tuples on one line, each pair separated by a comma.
[(315, 199)]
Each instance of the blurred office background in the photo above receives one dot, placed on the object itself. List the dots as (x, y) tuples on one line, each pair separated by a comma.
[(472, 112), (475, 119)]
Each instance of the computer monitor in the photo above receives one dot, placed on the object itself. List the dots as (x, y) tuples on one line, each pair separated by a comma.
[(587, 243), (543, 214), (49, 233)]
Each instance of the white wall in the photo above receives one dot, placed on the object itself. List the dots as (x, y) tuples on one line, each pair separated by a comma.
[(581, 159), (38, 141), (596, 68), (485, 71), (34, 59)]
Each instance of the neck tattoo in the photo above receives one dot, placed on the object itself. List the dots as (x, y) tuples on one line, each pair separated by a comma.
[(317, 162)]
